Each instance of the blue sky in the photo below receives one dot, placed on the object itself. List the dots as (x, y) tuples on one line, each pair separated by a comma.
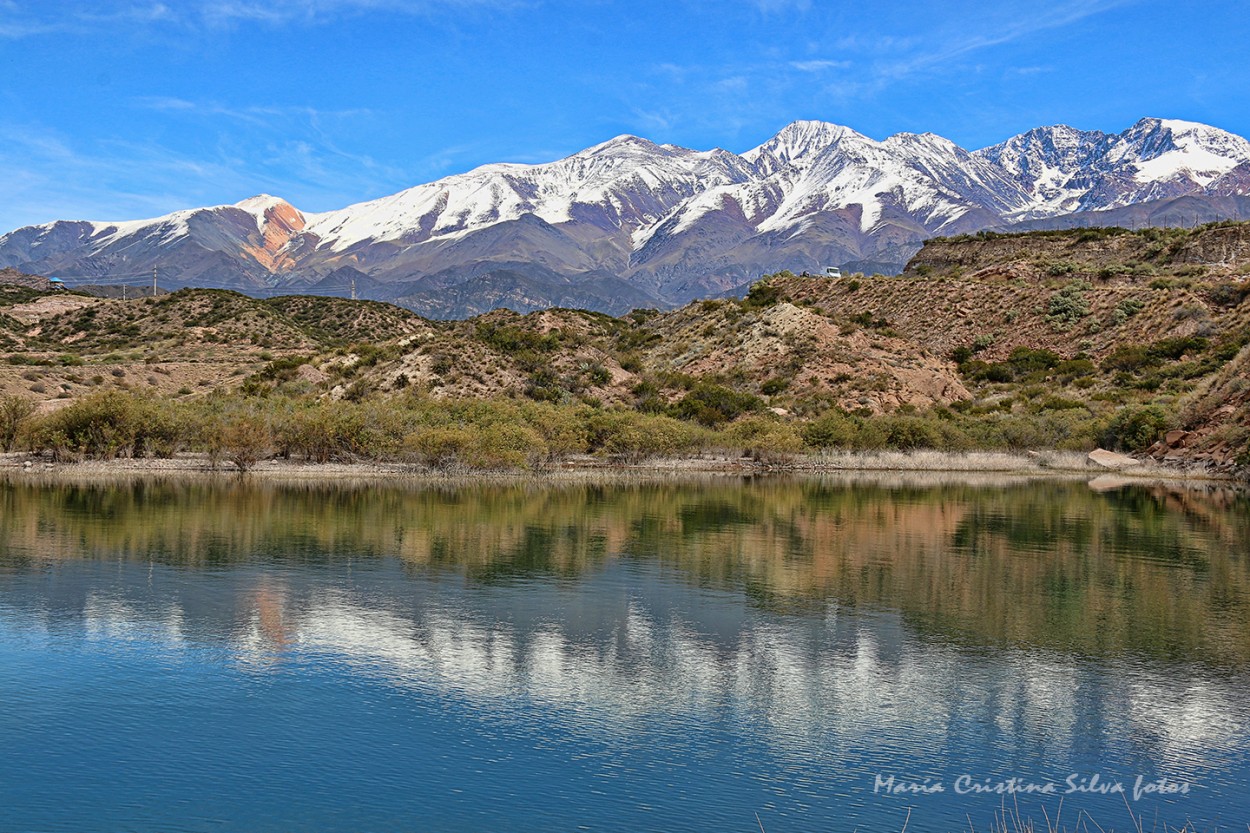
[(132, 109)]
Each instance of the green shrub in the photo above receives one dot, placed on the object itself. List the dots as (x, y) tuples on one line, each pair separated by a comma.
[(998, 372), (1022, 363), (545, 385), (761, 295), (323, 432), (282, 370), (630, 362), (712, 404), (833, 429), (62, 360), (1068, 306), (868, 319), (1135, 428), (1229, 294), (15, 411), (246, 440), (508, 338), (1170, 349), (1125, 310), (982, 342), (109, 424), (775, 385), (1067, 429), (477, 446), (1025, 361), (562, 429), (765, 438), (1059, 403), (1128, 358), (1073, 369), (961, 354), (632, 436), (1132, 358), (908, 433), (598, 375)]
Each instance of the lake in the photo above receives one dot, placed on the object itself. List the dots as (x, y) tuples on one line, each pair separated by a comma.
[(825, 655)]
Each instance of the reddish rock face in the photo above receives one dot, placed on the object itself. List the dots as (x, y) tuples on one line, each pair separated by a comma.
[(282, 222), (1175, 438)]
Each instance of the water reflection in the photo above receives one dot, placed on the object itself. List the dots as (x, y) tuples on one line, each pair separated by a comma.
[(845, 628), (1049, 565)]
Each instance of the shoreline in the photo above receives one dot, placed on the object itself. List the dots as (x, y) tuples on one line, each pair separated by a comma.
[(977, 467)]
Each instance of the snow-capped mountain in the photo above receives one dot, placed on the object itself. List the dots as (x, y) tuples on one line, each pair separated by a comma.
[(1062, 170), (246, 244), (669, 222)]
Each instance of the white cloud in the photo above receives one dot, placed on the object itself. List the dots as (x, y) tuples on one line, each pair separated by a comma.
[(320, 11), (18, 21), (21, 21), (821, 65), (997, 33), (49, 175), (1033, 70)]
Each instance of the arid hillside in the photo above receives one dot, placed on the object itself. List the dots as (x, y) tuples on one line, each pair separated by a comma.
[(1134, 340)]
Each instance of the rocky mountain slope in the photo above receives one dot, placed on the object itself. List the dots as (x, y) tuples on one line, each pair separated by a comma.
[(631, 223)]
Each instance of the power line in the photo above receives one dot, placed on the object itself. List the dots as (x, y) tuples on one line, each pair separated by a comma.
[(124, 280)]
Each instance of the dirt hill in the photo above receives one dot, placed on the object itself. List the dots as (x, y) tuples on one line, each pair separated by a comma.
[(12, 277), (1089, 337)]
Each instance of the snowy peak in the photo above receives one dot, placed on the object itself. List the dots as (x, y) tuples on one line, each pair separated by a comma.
[(797, 144), (1061, 169), (930, 142), (260, 203), (628, 145), (1043, 163), (1168, 149)]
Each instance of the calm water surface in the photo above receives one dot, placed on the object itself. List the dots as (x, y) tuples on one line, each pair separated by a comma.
[(234, 657)]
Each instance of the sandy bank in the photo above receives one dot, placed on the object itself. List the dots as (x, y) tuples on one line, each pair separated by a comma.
[(919, 468)]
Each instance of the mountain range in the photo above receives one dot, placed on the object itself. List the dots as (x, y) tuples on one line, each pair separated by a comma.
[(631, 223)]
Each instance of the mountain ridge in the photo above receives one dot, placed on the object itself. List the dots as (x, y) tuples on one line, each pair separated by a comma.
[(672, 222)]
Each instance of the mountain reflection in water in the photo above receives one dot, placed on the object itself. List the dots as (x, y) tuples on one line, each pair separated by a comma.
[(846, 627)]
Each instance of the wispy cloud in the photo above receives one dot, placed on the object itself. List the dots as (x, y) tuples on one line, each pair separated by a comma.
[(57, 180), (819, 65), (260, 115), (30, 20), (49, 175), (1027, 71), (659, 120), (838, 70), (315, 11), (23, 20), (302, 135), (957, 44)]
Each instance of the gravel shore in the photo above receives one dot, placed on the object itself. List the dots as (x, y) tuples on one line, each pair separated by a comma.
[(904, 467)]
